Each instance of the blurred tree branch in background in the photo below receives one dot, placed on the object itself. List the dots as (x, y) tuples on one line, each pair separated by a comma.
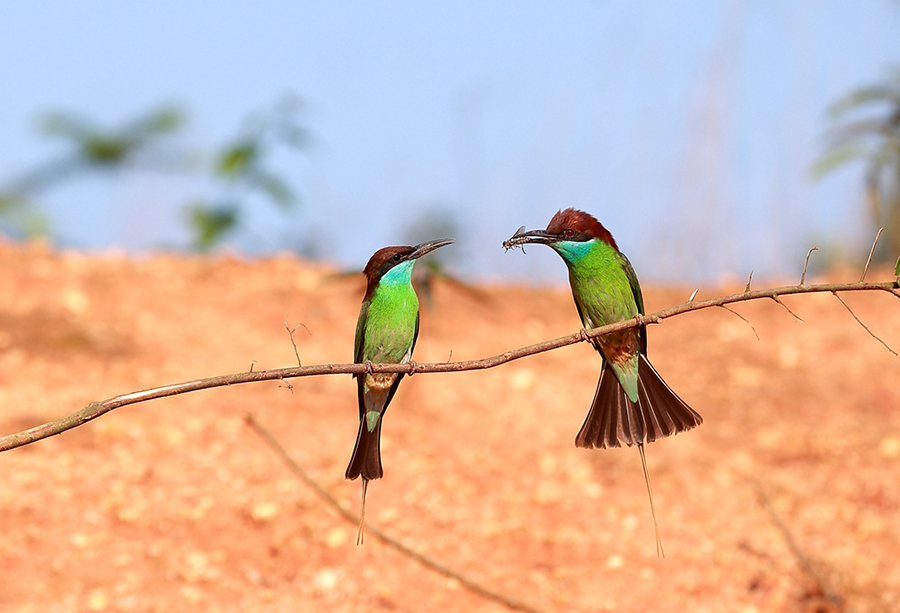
[(237, 171), (866, 126)]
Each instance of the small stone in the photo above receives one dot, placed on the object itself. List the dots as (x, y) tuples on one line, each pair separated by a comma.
[(190, 593), (789, 355), (521, 379), (327, 579), (129, 515), (889, 447), (75, 300), (98, 600), (265, 511), (336, 537), (548, 463)]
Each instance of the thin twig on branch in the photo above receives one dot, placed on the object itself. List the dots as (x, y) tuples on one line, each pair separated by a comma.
[(806, 265), (101, 407), (742, 317), (865, 327), (871, 253), (786, 308), (290, 332)]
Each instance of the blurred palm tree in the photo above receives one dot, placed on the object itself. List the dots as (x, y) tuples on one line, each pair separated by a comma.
[(866, 126)]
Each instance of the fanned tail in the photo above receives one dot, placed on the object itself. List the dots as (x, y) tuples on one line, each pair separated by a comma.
[(615, 420), (366, 458)]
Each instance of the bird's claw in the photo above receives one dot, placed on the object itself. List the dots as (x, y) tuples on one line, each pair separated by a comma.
[(640, 319), (369, 368), (413, 365), (585, 336)]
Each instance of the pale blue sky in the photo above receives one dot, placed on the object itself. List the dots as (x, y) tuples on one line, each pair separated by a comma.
[(687, 128)]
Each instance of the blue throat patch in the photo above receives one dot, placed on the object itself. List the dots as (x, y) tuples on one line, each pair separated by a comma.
[(401, 273), (574, 251)]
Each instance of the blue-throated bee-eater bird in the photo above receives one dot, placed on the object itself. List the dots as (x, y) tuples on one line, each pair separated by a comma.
[(386, 332), (632, 404)]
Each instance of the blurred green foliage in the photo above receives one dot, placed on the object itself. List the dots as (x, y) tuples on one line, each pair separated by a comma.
[(237, 171), (210, 223), (92, 148), (111, 148), (429, 222), (866, 126)]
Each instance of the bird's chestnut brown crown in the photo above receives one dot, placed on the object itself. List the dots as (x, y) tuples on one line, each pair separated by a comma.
[(574, 225), (387, 257)]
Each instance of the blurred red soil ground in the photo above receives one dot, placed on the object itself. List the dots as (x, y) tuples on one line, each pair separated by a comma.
[(176, 505)]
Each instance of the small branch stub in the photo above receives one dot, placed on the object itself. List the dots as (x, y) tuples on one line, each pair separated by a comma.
[(871, 253), (290, 332), (806, 265)]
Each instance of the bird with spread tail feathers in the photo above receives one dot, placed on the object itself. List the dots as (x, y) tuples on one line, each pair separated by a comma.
[(632, 404), (386, 332)]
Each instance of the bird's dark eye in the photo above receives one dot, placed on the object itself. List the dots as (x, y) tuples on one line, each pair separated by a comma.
[(396, 257), (569, 233)]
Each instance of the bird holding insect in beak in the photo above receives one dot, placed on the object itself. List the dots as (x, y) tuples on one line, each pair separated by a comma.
[(632, 404)]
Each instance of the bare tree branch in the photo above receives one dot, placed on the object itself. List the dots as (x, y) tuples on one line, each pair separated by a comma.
[(97, 408)]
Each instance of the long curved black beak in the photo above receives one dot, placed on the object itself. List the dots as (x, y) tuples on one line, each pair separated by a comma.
[(423, 248), (540, 237)]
